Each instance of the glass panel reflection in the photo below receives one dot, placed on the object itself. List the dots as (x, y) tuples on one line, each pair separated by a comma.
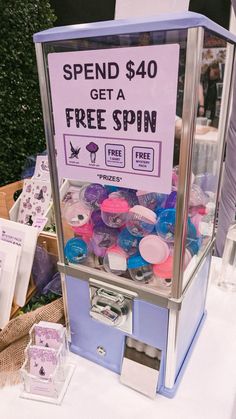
[(123, 231), (207, 147)]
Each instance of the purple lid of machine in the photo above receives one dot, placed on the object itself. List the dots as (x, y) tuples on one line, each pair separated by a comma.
[(163, 22)]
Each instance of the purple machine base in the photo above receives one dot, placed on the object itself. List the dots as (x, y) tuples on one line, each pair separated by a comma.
[(150, 326)]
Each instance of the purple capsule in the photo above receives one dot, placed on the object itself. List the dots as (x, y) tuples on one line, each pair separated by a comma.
[(103, 237), (171, 200), (95, 194), (96, 217)]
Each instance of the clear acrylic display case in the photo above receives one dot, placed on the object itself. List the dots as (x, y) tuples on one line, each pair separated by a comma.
[(46, 371), (128, 135)]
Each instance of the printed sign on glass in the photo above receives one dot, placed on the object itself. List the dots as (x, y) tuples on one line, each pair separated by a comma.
[(114, 115)]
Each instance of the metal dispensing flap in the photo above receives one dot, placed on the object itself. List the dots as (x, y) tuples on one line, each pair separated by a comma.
[(140, 370), (163, 22)]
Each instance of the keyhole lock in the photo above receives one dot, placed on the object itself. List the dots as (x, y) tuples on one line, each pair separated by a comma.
[(101, 351)]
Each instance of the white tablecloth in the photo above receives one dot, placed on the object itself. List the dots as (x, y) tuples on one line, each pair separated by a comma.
[(207, 391)]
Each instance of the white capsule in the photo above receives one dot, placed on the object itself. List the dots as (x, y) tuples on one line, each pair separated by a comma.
[(139, 346), (129, 342), (152, 352)]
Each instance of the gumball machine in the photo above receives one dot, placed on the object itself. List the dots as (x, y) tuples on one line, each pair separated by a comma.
[(135, 177)]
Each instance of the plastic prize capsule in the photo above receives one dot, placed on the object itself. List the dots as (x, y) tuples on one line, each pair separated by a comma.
[(197, 196), (164, 270), (206, 225), (110, 188), (140, 270), (140, 221), (103, 237), (171, 200), (128, 242), (96, 217), (175, 178), (128, 194), (115, 260), (193, 245), (76, 250), (206, 181), (153, 249), (196, 219), (161, 200), (93, 194), (114, 212), (85, 231), (165, 226), (147, 199), (158, 211), (77, 213), (200, 210), (151, 200)]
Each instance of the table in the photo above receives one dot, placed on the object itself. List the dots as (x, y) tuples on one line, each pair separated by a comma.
[(205, 152), (210, 137), (207, 391)]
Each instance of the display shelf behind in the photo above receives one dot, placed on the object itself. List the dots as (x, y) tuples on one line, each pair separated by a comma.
[(49, 242), (7, 197)]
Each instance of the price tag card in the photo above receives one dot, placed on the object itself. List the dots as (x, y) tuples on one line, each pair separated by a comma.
[(114, 115), (40, 223)]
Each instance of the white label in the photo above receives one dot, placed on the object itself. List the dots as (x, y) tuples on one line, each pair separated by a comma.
[(40, 223), (12, 236), (117, 262)]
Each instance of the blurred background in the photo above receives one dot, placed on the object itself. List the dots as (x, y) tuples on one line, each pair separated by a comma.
[(21, 122)]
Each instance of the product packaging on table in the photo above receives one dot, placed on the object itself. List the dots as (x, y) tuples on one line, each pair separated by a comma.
[(46, 371), (136, 224)]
